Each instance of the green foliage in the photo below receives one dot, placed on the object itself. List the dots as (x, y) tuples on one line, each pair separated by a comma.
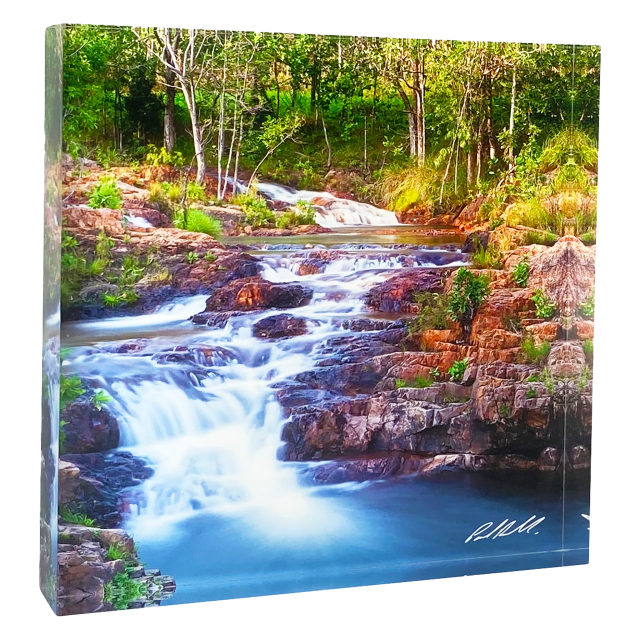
[(100, 398), (520, 273), (467, 294), (458, 368), (160, 156), (433, 313), (504, 410), (104, 245), (117, 552), (588, 306), (539, 237), (419, 382), (105, 194), (533, 353), (532, 393), (120, 299), (210, 256), (191, 257), (570, 143), (547, 380), (489, 258), (198, 222), (587, 346), (123, 590), (589, 238), (534, 377), (545, 307), (72, 517), (70, 389), (401, 188), (583, 380), (302, 214), (256, 211)]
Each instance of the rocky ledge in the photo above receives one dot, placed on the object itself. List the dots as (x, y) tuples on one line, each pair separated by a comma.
[(99, 570), (383, 401)]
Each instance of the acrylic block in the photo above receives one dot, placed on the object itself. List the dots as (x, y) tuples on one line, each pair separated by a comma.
[(318, 312)]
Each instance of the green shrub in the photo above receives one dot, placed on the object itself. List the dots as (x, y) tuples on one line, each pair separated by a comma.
[(589, 237), (117, 552), (534, 377), (156, 156), (303, 213), (489, 258), (210, 256), (70, 389), (588, 306), (520, 273), (547, 380), (467, 294), (123, 590), (533, 353), (71, 517), (545, 307), (256, 211), (104, 244), (191, 257), (532, 393), (458, 368), (404, 187), (100, 398), (419, 382), (120, 299), (198, 222), (105, 194), (433, 313), (539, 237), (587, 346)]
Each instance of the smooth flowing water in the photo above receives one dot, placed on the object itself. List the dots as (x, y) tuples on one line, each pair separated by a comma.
[(227, 518)]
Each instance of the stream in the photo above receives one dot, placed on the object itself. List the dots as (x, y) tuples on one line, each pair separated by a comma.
[(225, 516)]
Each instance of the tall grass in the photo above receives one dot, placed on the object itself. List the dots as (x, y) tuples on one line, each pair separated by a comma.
[(198, 222), (402, 188)]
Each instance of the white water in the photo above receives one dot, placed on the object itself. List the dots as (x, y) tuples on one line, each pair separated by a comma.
[(211, 425), (332, 212), (137, 221)]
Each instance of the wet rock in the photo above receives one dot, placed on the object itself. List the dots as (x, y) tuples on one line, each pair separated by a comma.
[(397, 293), (280, 326), (94, 484), (549, 459), (200, 355), (215, 319), (250, 294), (88, 428), (475, 240)]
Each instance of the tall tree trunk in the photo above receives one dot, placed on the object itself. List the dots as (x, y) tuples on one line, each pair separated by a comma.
[(170, 82), (512, 120), (169, 110), (326, 139)]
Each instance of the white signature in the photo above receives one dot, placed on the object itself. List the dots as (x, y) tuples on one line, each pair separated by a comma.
[(505, 528)]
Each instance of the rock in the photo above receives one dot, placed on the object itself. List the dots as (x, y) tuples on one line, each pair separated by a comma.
[(475, 240), (549, 459), (566, 359), (565, 272), (249, 294), (88, 428), (215, 319), (280, 326), (85, 218), (397, 293), (95, 483)]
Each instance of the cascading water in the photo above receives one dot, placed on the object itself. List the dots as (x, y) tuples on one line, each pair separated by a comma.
[(331, 212), (221, 512)]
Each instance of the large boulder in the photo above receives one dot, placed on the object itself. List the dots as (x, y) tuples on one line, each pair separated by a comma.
[(283, 325), (88, 428), (397, 293), (253, 293)]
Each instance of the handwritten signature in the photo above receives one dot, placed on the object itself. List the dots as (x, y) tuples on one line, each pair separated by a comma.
[(505, 528)]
